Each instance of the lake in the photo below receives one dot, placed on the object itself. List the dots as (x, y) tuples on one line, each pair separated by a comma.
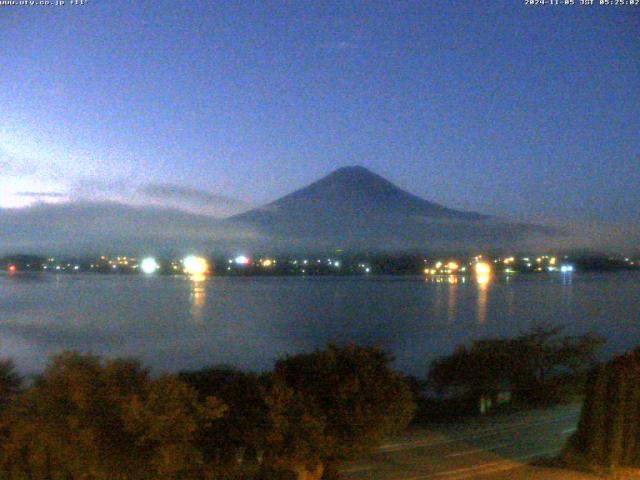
[(175, 323)]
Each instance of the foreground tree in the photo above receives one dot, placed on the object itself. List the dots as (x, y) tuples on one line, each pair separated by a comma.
[(241, 433), (296, 439), (352, 393), (474, 372), (609, 427), (540, 366), (85, 419), (88, 419), (546, 366), (10, 382)]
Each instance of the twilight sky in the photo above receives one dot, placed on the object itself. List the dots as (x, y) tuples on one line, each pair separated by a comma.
[(211, 107)]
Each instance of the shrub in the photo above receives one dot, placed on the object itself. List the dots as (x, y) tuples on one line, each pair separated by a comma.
[(85, 418), (359, 396)]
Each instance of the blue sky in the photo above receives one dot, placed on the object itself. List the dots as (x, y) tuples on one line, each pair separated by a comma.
[(491, 106)]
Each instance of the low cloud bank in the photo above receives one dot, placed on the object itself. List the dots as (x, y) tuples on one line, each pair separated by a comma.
[(81, 228), (91, 228)]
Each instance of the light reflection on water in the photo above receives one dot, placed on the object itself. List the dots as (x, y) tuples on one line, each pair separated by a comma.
[(453, 298), (482, 283), (176, 322), (198, 297)]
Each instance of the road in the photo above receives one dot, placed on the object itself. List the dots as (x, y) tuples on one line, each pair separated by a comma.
[(474, 449)]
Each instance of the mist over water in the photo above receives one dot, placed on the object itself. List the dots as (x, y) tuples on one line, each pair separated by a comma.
[(175, 323)]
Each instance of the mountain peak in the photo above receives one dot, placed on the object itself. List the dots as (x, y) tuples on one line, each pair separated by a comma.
[(354, 172), (354, 191), (353, 179), (356, 208)]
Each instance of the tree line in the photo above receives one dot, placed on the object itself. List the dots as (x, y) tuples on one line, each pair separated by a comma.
[(539, 367), (90, 418)]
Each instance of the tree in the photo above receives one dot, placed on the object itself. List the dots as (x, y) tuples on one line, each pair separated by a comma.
[(529, 365), (85, 418), (10, 382), (164, 420), (243, 428), (296, 432), (314, 408), (607, 434), (479, 370), (546, 366), (353, 392)]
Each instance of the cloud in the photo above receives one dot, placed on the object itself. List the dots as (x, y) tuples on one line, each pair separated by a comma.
[(190, 199), (41, 194), (159, 195), (91, 186), (84, 227), (166, 191), (105, 227)]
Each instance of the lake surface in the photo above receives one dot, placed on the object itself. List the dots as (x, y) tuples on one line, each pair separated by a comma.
[(176, 323)]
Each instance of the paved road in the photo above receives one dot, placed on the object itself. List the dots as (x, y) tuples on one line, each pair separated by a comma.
[(470, 450)]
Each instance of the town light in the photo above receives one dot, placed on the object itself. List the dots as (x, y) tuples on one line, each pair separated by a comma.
[(195, 265), (149, 265), (242, 260), (483, 268)]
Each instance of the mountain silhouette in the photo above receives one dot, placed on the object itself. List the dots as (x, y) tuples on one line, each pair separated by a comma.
[(355, 209)]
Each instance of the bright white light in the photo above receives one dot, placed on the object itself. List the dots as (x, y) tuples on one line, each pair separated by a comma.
[(195, 265), (149, 265), (483, 273), (242, 260), (566, 268), (483, 268)]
